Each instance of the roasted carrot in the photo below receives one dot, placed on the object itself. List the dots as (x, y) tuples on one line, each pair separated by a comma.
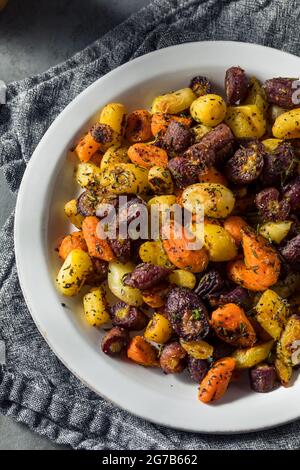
[(250, 278), (257, 247), (211, 175), (87, 147), (231, 324), (246, 277), (234, 225), (138, 127), (261, 266), (216, 381), (161, 121), (142, 352), (70, 242), (176, 245), (147, 155), (97, 139), (97, 247)]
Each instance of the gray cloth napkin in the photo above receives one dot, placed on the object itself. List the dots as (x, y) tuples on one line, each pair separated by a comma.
[(35, 388)]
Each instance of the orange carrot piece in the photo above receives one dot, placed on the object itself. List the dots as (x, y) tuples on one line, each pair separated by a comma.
[(97, 247), (234, 225), (87, 147), (211, 175), (216, 381), (177, 249), (71, 242), (147, 155), (256, 248), (98, 138), (161, 121), (231, 324), (138, 128), (142, 352), (250, 278), (261, 266)]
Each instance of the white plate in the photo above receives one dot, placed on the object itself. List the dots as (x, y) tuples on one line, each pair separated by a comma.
[(48, 183)]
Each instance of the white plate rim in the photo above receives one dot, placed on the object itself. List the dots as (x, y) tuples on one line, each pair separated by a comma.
[(141, 410)]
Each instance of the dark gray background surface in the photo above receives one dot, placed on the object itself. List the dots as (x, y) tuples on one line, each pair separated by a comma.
[(34, 35)]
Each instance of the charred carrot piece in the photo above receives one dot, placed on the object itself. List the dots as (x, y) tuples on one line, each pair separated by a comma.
[(161, 121), (231, 324), (97, 247), (142, 352), (176, 245), (216, 381), (147, 155), (234, 225), (94, 141), (261, 266), (71, 242), (138, 127)]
